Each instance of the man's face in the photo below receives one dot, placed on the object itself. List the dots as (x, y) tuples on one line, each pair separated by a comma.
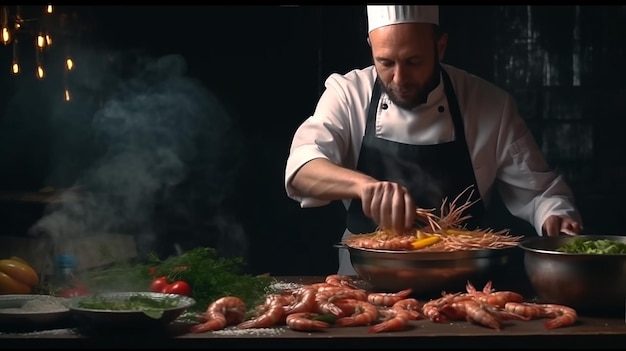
[(406, 57)]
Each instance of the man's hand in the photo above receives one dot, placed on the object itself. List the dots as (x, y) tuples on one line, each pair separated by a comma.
[(554, 225), (389, 205)]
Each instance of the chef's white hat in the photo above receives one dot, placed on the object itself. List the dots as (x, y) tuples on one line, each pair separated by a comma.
[(384, 15)]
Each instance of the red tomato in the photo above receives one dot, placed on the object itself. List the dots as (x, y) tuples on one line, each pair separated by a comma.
[(158, 284), (179, 287)]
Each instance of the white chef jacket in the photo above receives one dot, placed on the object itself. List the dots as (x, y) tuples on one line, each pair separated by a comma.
[(503, 150)]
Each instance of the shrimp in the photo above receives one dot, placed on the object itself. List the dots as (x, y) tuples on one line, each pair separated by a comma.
[(358, 294), (332, 289), (272, 315), (476, 313), (411, 306), (395, 320), (317, 286), (304, 301), (433, 308), (499, 298), (527, 309), (563, 315), (302, 321), (340, 280), (503, 314), (224, 311), (487, 289), (491, 297), (323, 305), (382, 241), (388, 299), (361, 313), (326, 307)]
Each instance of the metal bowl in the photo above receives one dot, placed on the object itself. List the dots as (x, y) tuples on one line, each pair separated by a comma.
[(120, 319), (429, 273), (591, 283)]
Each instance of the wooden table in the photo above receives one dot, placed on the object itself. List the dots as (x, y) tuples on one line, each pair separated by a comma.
[(588, 332)]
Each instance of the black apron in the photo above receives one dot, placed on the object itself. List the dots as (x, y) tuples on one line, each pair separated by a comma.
[(430, 172)]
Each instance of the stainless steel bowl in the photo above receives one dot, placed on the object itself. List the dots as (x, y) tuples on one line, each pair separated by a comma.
[(128, 318), (430, 273), (591, 283)]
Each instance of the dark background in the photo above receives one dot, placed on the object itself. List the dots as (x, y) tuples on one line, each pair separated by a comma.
[(266, 67)]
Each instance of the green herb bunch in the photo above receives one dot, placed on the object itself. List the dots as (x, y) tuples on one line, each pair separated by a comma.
[(212, 277), (209, 275)]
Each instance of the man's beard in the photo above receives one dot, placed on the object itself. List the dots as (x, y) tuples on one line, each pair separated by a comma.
[(422, 95)]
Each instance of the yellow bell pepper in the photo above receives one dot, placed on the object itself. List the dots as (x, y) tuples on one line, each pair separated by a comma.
[(421, 243), (457, 232), (17, 277)]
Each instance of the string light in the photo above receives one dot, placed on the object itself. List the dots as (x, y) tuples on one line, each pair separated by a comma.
[(40, 42), (18, 17), (15, 65), (4, 23), (42, 30), (69, 64), (41, 73)]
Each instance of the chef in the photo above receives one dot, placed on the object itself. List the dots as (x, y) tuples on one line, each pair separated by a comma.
[(410, 131)]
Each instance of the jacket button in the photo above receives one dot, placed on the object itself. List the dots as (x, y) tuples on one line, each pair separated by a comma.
[(384, 106), (441, 109)]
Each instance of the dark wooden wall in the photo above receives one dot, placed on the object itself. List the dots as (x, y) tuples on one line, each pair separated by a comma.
[(266, 65)]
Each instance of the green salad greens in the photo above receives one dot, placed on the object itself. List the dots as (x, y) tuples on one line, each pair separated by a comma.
[(593, 246), (152, 307)]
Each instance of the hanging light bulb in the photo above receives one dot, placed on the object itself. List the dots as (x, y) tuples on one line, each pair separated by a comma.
[(67, 95), (69, 64), (15, 66), (18, 17), (40, 71), (4, 23), (40, 41), (49, 9), (48, 39), (6, 35)]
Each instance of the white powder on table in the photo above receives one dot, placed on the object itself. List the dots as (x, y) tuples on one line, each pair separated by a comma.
[(35, 334), (249, 331), (283, 286)]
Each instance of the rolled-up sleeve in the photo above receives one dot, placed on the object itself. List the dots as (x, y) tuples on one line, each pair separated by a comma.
[(529, 187)]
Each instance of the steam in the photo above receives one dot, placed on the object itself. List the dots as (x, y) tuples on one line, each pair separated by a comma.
[(155, 156)]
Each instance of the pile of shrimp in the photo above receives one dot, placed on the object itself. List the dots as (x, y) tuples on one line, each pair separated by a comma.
[(303, 309), (448, 228), (491, 308)]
